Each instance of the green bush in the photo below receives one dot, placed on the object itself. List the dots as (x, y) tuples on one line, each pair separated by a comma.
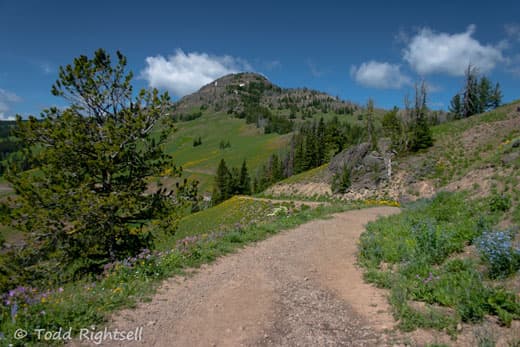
[(416, 245), (341, 182), (500, 202)]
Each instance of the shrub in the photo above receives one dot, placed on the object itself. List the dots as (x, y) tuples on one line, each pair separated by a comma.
[(410, 253), (498, 250), (341, 181), (500, 203), (431, 241)]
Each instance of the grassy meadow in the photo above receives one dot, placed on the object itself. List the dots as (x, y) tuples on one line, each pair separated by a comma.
[(246, 142)]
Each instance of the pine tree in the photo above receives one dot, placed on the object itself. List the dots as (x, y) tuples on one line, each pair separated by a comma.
[(222, 188), (341, 182), (310, 148), (322, 147), (87, 203), (471, 98), (421, 133), (456, 107), (234, 182), (496, 97), (478, 96), (299, 164), (245, 180), (264, 178), (393, 128), (334, 135), (484, 95)]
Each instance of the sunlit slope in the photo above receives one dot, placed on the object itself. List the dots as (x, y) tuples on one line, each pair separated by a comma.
[(245, 140)]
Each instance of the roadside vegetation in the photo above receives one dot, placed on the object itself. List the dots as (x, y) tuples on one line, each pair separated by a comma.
[(421, 256)]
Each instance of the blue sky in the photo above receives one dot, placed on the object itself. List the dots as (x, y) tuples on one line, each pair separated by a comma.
[(355, 50)]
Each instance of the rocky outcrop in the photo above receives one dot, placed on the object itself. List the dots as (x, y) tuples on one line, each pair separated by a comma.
[(368, 169)]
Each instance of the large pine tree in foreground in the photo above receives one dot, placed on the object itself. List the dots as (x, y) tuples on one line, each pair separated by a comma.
[(86, 202)]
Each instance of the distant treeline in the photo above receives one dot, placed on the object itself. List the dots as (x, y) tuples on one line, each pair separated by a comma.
[(311, 146), (187, 117)]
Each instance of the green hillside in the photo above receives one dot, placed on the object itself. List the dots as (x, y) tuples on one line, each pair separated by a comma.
[(246, 142)]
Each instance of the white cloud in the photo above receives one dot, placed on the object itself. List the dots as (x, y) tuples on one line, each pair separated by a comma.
[(183, 73), (6, 99), (431, 52), (380, 75)]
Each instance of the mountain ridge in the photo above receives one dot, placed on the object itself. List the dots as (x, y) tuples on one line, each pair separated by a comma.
[(233, 93)]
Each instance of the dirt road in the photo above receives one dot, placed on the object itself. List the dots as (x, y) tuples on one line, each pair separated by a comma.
[(298, 288)]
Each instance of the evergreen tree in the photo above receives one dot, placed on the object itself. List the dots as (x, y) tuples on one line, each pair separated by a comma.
[(393, 128), (471, 94), (87, 204), (245, 180), (234, 182), (222, 188), (478, 96), (310, 153), (421, 133), (484, 95), (334, 136), (264, 178), (321, 143), (299, 165), (341, 182), (456, 107), (496, 97)]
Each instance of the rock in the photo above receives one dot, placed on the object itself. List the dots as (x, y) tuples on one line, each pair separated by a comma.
[(350, 158), (368, 169)]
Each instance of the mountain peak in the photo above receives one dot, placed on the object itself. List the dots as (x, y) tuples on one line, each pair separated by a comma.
[(231, 93)]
